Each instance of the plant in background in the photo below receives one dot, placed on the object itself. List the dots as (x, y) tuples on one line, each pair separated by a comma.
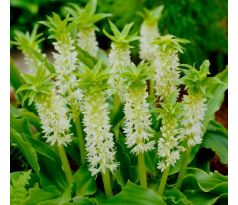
[(72, 97), (149, 33), (137, 115), (169, 145), (85, 20), (66, 64), (166, 66), (100, 146), (194, 109), (119, 56)]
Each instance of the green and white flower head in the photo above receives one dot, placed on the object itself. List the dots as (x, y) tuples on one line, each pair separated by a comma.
[(100, 146), (85, 19), (65, 59), (119, 56), (51, 106), (29, 44), (149, 32), (169, 145), (137, 115), (194, 104), (166, 66)]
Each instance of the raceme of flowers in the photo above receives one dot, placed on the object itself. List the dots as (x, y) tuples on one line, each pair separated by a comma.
[(88, 87)]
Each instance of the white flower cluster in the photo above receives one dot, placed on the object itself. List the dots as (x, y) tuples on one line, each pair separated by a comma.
[(148, 34), (166, 74), (87, 41), (194, 107), (138, 121), (99, 140), (119, 58), (52, 111), (168, 145), (65, 64)]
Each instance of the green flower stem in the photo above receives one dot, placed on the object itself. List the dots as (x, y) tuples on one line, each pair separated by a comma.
[(163, 181), (116, 105), (65, 163), (107, 183), (142, 170), (183, 167), (80, 135), (152, 88)]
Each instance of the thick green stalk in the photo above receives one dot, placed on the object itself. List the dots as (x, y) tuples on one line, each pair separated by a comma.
[(184, 163), (163, 181), (65, 163), (116, 105), (142, 170), (152, 88), (107, 183), (79, 135)]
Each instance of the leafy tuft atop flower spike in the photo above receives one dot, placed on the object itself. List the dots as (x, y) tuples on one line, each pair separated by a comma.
[(152, 16), (135, 77), (137, 114), (122, 37), (93, 79), (99, 140), (58, 27), (37, 85), (170, 43), (28, 43), (85, 17), (84, 20)]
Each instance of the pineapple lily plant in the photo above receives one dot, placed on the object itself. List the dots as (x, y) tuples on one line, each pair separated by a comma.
[(96, 128)]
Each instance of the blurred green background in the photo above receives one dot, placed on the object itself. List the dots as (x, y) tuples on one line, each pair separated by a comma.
[(203, 22)]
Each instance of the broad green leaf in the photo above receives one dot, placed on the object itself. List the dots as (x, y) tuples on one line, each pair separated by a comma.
[(206, 182), (86, 184), (200, 198), (62, 199), (80, 200), (174, 196), (37, 195), (134, 194), (26, 149), (214, 102), (217, 140)]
